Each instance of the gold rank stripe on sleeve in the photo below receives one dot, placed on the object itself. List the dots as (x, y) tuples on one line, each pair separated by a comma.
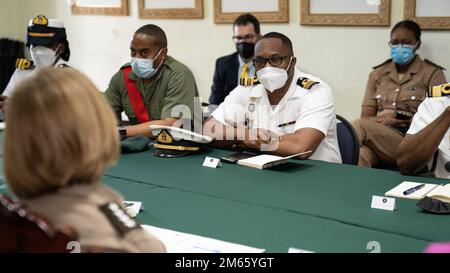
[(250, 81), (439, 91), (306, 83)]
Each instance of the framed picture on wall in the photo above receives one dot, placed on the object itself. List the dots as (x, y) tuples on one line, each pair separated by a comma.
[(100, 7), (267, 11), (345, 12), (183, 9), (429, 14)]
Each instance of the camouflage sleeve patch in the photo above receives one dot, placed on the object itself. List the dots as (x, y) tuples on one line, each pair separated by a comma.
[(306, 83), (24, 64), (439, 91), (248, 81), (119, 218)]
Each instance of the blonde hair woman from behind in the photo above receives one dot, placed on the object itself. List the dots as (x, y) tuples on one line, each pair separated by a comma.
[(61, 135)]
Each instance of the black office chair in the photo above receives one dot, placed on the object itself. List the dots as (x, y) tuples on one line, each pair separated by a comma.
[(348, 141)]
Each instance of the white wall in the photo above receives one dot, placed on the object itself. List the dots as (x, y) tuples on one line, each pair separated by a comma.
[(8, 14), (341, 56)]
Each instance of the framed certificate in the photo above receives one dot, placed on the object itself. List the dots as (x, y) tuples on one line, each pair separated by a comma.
[(267, 11), (345, 12), (100, 7), (177, 9), (429, 14)]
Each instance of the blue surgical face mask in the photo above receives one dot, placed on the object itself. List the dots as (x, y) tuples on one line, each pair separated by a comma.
[(143, 68), (403, 54)]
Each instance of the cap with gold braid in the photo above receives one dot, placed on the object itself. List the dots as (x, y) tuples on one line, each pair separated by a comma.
[(439, 91), (43, 31), (176, 142)]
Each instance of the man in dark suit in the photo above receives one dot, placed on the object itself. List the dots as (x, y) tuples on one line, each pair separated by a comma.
[(230, 69)]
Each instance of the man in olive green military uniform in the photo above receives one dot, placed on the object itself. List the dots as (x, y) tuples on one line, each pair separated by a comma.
[(154, 88), (394, 91)]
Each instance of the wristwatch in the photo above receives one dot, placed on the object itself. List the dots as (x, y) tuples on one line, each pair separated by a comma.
[(122, 132)]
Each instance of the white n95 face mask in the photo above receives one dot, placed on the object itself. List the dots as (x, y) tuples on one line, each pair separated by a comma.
[(143, 68), (42, 56), (273, 78)]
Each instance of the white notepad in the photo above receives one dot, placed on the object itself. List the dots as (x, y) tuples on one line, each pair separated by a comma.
[(267, 161), (431, 190)]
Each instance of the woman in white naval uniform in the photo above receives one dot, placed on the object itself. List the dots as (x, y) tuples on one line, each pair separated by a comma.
[(47, 41)]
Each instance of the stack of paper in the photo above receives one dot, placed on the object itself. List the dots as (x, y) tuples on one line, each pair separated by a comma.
[(179, 242)]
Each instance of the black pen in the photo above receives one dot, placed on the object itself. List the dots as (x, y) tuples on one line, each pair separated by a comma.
[(414, 189), (286, 124)]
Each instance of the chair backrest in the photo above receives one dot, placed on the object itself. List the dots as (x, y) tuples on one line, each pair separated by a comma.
[(23, 231), (10, 51), (348, 141)]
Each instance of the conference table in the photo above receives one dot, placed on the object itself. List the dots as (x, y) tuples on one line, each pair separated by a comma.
[(309, 205)]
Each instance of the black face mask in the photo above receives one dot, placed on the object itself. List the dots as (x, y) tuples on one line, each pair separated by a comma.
[(434, 206), (245, 50)]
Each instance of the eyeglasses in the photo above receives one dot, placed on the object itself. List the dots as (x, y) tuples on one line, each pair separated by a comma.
[(247, 38), (273, 61), (395, 45)]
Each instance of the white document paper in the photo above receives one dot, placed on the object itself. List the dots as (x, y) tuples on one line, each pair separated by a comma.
[(179, 242), (297, 250), (406, 185)]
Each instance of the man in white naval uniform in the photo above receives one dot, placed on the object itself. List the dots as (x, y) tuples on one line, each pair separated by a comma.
[(283, 111), (426, 146)]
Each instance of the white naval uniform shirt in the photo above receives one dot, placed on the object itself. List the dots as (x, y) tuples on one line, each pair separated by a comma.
[(20, 74), (299, 108), (429, 110)]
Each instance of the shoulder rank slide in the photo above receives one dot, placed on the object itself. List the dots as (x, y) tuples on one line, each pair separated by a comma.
[(433, 64), (24, 64), (306, 83), (380, 65), (439, 91), (119, 218), (248, 81)]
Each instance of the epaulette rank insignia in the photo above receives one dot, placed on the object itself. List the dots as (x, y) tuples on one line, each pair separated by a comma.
[(24, 64), (119, 218), (439, 91), (248, 81), (306, 83)]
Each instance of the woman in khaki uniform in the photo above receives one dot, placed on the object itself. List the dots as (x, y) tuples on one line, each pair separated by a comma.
[(61, 135), (393, 93)]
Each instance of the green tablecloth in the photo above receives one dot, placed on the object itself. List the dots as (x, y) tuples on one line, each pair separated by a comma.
[(310, 205)]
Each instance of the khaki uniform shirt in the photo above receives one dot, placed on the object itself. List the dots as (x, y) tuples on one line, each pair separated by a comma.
[(387, 93), (79, 207), (174, 85)]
